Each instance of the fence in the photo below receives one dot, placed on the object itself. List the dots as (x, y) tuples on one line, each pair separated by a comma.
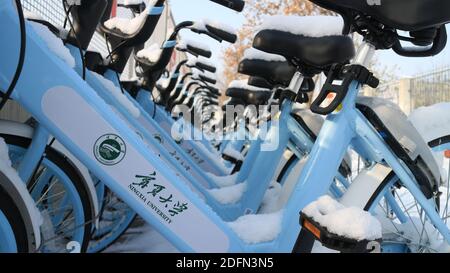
[(53, 11), (431, 88)]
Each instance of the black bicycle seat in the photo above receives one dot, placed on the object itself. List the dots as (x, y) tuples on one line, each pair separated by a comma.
[(275, 72), (316, 52)]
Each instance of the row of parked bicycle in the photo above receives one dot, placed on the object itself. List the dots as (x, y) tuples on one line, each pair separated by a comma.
[(99, 150)]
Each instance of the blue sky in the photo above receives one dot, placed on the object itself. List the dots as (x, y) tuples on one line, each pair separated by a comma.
[(199, 9)]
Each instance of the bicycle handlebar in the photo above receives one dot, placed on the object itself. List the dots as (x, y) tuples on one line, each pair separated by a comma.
[(438, 45)]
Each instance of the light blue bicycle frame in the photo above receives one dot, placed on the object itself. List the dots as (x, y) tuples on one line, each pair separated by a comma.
[(256, 160), (81, 119)]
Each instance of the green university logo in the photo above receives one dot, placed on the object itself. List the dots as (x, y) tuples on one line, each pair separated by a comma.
[(109, 149)]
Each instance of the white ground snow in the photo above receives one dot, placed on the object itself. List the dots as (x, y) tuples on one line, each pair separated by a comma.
[(53, 43), (433, 121), (311, 26), (350, 222)]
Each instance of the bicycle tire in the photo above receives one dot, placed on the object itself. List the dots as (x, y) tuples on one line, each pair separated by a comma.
[(64, 164)]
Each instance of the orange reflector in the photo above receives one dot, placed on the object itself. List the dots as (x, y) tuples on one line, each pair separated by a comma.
[(447, 153), (331, 95), (309, 226)]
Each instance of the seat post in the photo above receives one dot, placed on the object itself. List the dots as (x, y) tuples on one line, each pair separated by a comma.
[(296, 82), (365, 54)]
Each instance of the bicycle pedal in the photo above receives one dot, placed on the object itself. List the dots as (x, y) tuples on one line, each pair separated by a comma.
[(349, 230)]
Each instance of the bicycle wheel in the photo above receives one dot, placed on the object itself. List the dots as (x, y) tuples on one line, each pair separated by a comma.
[(60, 195), (405, 226), (13, 231), (115, 218)]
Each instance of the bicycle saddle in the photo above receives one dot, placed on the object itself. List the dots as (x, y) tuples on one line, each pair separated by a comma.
[(259, 82), (408, 15), (275, 72), (250, 95), (311, 46)]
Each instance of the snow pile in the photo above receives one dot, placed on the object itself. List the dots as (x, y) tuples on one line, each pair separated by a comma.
[(53, 43), (201, 25), (350, 222), (220, 25), (311, 26), (116, 92), (229, 195), (183, 44), (255, 54), (243, 84), (130, 26), (223, 181), (151, 53), (233, 153), (7, 169), (433, 121), (32, 16), (259, 228)]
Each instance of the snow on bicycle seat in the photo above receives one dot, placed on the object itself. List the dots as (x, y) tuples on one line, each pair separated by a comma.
[(403, 139), (408, 15), (314, 42), (273, 68), (138, 29), (249, 94)]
